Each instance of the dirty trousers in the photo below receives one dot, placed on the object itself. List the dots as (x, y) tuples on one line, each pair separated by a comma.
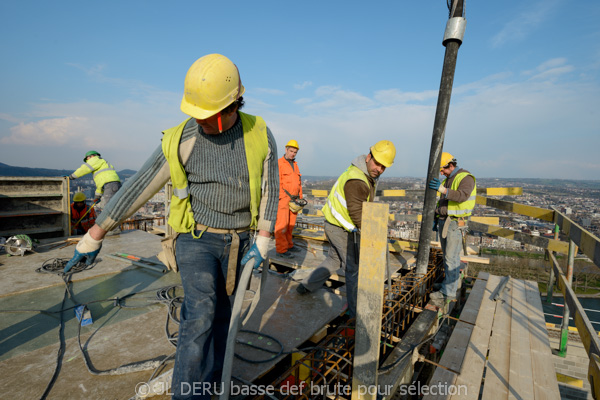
[(341, 255), (205, 312), (451, 247)]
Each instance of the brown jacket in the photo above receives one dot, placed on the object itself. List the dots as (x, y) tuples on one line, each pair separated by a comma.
[(462, 194), (357, 192)]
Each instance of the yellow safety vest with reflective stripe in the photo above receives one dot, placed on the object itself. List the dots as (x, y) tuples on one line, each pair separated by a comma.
[(465, 208), (103, 172), (256, 143), (336, 209)]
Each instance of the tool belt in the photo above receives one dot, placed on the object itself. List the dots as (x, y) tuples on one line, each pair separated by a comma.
[(461, 221), (233, 251)]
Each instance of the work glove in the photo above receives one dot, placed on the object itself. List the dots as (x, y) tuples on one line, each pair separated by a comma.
[(97, 198), (258, 251), (435, 224), (435, 184), (87, 249)]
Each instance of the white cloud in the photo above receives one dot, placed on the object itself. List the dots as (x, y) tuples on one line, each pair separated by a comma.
[(303, 85), (550, 70), (504, 125), (274, 92), (55, 131), (391, 96), (527, 21), (329, 98)]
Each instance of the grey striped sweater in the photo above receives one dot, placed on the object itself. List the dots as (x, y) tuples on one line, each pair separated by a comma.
[(217, 172)]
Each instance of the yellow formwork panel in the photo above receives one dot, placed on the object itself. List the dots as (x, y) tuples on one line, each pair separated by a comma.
[(486, 220), (393, 193), (507, 191)]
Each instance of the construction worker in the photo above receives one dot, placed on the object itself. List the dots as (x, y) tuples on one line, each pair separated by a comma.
[(290, 194), (343, 217), (106, 178), (457, 199), (83, 217), (223, 166)]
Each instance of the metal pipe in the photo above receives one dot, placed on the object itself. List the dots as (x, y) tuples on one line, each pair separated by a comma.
[(564, 328), (551, 278), (452, 43), (500, 288)]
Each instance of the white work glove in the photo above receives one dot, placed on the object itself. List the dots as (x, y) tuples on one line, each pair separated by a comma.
[(258, 251), (87, 249), (262, 244), (436, 184)]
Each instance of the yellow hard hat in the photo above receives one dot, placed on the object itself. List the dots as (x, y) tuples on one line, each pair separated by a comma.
[(79, 197), (211, 84), (292, 143), (384, 152), (446, 159)]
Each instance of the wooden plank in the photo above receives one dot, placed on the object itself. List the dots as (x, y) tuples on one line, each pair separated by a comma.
[(498, 364), (455, 350), (520, 376), (545, 384), (476, 355), (369, 302), (471, 308)]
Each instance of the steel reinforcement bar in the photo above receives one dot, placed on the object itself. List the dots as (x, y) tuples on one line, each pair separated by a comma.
[(326, 369)]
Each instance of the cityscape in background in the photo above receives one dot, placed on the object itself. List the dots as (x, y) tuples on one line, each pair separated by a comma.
[(580, 200)]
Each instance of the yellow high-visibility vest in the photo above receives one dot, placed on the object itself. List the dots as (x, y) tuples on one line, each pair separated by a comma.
[(465, 208), (181, 216), (336, 209)]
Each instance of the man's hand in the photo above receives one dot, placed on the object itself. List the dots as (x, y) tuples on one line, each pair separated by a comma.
[(87, 249), (435, 184), (97, 198), (258, 251)]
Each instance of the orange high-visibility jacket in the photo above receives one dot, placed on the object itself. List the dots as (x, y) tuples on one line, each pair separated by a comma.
[(86, 222), (289, 179)]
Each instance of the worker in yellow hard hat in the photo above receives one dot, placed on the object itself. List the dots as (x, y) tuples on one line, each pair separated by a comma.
[(457, 200), (222, 164), (290, 200), (83, 216), (343, 217)]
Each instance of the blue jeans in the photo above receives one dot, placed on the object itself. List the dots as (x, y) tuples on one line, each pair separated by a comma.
[(341, 255), (451, 247), (205, 312)]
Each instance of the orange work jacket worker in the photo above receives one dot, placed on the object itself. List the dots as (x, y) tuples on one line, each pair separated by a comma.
[(86, 222), (290, 183)]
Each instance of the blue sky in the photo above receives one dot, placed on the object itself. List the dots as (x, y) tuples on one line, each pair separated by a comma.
[(337, 76)]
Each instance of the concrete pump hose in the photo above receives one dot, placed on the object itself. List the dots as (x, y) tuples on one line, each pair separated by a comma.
[(234, 328)]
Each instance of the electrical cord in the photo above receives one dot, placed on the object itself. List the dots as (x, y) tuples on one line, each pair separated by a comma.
[(57, 266)]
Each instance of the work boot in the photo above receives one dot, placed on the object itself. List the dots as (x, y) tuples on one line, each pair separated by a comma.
[(294, 249), (287, 254), (301, 289), (438, 296)]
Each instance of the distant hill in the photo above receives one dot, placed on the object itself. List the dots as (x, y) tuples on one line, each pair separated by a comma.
[(9, 170)]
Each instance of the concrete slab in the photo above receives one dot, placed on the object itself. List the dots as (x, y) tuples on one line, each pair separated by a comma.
[(19, 275), (29, 340)]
